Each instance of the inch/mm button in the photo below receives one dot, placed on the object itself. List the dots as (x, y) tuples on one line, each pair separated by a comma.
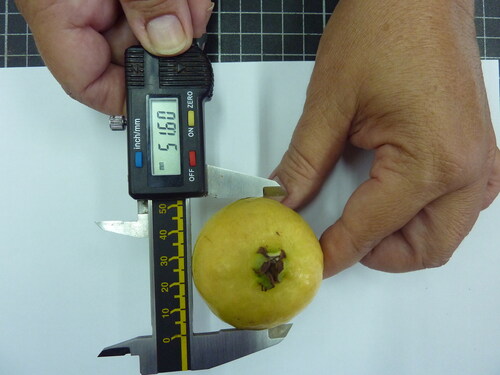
[(138, 159)]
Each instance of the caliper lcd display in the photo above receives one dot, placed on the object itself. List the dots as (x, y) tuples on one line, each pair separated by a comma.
[(164, 136)]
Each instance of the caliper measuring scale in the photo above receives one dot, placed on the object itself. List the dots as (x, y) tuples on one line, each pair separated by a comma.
[(166, 163)]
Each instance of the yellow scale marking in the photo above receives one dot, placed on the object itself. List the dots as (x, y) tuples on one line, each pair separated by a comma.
[(181, 296)]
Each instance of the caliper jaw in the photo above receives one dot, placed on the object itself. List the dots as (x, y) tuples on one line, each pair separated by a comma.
[(142, 346), (212, 349), (138, 228), (207, 349)]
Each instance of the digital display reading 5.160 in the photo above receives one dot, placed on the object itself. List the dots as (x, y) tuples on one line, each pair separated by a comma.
[(164, 133)]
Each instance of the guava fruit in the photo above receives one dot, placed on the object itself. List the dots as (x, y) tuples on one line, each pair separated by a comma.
[(257, 263)]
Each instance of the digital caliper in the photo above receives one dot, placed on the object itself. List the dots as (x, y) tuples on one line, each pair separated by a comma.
[(166, 166), (165, 123)]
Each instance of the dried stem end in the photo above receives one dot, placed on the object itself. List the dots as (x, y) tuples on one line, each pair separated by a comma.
[(270, 268)]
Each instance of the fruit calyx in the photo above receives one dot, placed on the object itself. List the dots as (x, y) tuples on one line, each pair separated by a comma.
[(271, 269)]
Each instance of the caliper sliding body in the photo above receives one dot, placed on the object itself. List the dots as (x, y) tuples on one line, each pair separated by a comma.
[(166, 165)]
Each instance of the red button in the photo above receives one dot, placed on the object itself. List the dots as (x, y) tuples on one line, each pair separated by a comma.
[(192, 158)]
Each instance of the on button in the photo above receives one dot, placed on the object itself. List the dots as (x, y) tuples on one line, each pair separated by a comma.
[(190, 118)]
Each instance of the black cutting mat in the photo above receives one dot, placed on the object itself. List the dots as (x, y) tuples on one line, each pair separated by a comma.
[(247, 30)]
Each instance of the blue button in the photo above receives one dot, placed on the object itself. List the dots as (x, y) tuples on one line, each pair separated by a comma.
[(138, 159)]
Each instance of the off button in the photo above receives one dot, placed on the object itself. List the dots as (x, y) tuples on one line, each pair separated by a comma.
[(192, 158)]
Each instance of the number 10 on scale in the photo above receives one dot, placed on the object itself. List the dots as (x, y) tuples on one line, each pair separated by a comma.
[(164, 136)]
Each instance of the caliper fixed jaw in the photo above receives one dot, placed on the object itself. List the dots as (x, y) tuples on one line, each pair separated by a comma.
[(142, 346)]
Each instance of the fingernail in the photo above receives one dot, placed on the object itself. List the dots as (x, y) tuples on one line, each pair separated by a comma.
[(166, 35), (208, 15), (277, 179), (210, 11)]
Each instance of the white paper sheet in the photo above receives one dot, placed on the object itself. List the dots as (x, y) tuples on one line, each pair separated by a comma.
[(68, 289)]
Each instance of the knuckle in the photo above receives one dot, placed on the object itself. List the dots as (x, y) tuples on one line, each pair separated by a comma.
[(438, 252), (354, 242), (70, 92), (434, 262), (299, 165), (445, 169), (467, 156), (447, 165), (448, 157), (299, 176), (38, 13), (414, 170), (151, 8)]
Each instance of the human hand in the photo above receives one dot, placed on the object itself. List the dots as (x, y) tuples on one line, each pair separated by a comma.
[(82, 42), (402, 78)]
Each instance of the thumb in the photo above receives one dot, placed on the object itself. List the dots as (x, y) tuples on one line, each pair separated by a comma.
[(317, 142), (167, 27)]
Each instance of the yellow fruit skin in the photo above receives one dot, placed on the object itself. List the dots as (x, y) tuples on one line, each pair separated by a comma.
[(226, 253)]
